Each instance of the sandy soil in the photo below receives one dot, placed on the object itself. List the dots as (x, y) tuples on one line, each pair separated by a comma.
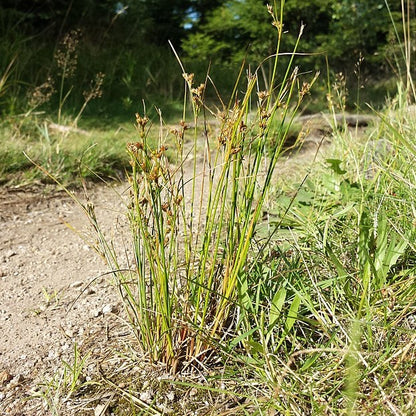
[(47, 300)]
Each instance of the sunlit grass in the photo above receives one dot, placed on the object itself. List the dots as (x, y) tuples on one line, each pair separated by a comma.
[(70, 154)]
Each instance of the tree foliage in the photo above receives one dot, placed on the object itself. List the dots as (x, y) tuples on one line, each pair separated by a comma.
[(128, 39), (342, 30)]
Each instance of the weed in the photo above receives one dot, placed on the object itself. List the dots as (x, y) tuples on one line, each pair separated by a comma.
[(57, 390)]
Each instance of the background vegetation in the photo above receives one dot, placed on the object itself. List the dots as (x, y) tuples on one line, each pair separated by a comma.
[(128, 42), (99, 62)]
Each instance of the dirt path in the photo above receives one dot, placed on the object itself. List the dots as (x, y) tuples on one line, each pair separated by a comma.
[(46, 304)]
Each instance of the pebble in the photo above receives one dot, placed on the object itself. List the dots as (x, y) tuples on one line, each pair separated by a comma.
[(5, 377), (10, 253), (17, 380), (96, 313), (146, 396), (109, 308), (76, 284)]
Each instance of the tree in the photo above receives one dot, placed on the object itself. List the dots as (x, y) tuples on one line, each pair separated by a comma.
[(234, 30), (357, 28)]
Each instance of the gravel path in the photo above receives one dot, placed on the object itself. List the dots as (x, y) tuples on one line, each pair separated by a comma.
[(46, 300)]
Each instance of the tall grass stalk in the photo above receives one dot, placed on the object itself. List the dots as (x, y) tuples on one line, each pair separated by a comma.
[(405, 43), (4, 77)]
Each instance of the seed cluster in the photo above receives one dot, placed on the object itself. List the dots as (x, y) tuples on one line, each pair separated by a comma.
[(66, 56)]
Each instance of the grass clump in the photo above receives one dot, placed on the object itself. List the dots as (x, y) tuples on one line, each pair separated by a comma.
[(193, 225)]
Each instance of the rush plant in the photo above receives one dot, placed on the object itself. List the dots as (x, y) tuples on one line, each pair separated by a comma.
[(193, 222)]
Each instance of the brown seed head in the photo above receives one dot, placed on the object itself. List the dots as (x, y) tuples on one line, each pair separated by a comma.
[(305, 89), (161, 152), (41, 94), (66, 56), (189, 78), (141, 121), (134, 147), (198, 91), (184, 125), (95, 90)]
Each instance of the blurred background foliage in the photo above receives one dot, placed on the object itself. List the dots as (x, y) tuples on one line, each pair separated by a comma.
[(129, 42)]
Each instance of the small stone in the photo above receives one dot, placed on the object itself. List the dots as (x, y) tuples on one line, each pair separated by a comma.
[(10, 253), (146, 396), (5, 377), (17, 380), (96, 313), (76, 284), (109, 308)]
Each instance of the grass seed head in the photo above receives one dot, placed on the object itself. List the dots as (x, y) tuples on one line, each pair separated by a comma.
[(141, 121), (66, 56), (189, 78), (42, 93), (263, 95), (95, 90), (197, 95)]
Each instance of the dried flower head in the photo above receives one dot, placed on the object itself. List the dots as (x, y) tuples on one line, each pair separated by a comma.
[(306, 87), (340, 90), (184, 125), (197, 94), (161, 152), (66, 55), (178, 199), (41, 94), (141, 123), (262, 96), (189, 78), (264, 117), (95, 90), (134, 147), (278, 25)]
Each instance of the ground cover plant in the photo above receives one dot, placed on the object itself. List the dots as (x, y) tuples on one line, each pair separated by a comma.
[(246, 294)]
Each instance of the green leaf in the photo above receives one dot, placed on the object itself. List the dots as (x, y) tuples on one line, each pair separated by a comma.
[(255, 347), (335, 165), (276, 306), (293, 313)]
